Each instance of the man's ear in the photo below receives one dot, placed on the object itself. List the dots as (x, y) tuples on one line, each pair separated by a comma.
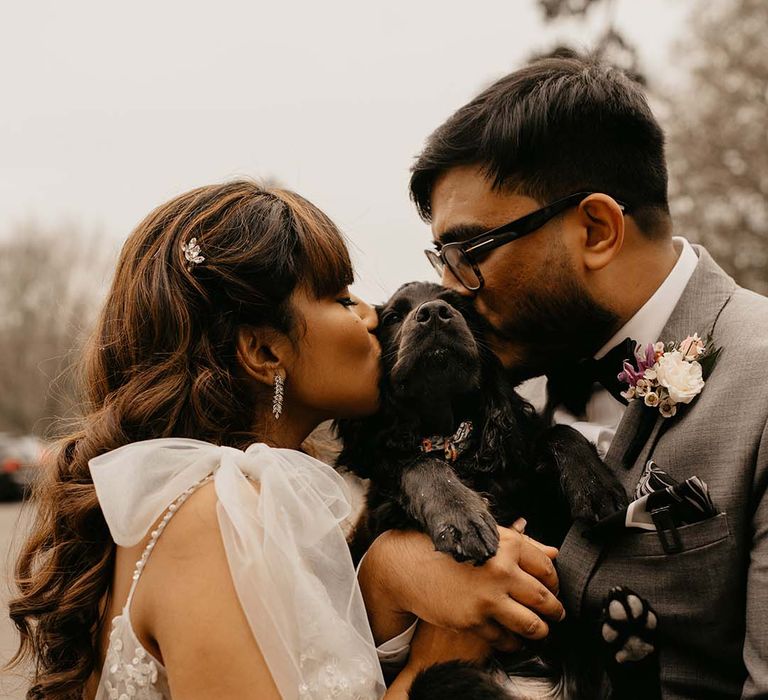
[(602, 218), (262, 353)]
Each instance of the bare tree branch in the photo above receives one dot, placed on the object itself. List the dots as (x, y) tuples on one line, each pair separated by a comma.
[(718, 138), (52, 284)]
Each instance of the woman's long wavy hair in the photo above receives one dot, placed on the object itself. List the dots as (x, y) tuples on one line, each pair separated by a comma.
[(161, 363)]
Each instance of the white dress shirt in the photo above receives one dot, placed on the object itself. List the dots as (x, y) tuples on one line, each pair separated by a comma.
[(603, 413)]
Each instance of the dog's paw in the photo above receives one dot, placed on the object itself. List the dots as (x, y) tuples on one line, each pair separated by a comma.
[(592, 490), (597, 496), (629, 626), (466, 535)]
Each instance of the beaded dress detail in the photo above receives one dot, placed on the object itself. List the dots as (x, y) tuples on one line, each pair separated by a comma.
[(130, 672)]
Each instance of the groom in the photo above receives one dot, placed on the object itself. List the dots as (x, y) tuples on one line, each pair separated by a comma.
[(561, 285)]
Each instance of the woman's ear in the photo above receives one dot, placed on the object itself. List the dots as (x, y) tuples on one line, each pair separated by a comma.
[(602, 219), (262, 353)]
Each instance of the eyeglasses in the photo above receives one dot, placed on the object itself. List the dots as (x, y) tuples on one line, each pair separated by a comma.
[(461, 258)]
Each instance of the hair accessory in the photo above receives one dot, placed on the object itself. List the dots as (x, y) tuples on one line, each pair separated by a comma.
[(277, 400), (192, 253)]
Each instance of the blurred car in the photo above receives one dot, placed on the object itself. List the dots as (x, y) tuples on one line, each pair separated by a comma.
[(20, 459)]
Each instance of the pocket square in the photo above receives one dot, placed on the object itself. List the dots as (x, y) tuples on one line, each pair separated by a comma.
[(690, 499), (663, 504), (653, 478)]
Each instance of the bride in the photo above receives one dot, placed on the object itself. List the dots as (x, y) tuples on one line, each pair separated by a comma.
[(184, 545)]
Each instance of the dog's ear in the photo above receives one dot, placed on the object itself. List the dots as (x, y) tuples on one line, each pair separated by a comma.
[(355, 436), (354, 455), (503, 439), (379, 309)]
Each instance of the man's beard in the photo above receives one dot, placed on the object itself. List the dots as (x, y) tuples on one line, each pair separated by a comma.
[(556, 324)]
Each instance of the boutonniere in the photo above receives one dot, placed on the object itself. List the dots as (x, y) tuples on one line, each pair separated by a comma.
[(666, 375)]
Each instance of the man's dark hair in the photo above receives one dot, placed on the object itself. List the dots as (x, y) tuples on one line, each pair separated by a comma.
[(559, 125)]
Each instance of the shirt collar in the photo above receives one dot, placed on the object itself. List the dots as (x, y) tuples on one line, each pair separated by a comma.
[(648, 323)]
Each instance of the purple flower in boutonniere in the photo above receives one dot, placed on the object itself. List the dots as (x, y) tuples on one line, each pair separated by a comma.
[(664, 376)]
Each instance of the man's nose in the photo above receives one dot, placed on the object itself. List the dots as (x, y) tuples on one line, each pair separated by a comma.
[(450, 281)]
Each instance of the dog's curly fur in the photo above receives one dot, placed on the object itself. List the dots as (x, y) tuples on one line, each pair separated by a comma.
[(437, 372)]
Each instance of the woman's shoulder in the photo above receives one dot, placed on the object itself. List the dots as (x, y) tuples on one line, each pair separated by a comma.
[(190, 607), (193, 532), (195, 519), (188, 560), (188, 548), (188, 571)]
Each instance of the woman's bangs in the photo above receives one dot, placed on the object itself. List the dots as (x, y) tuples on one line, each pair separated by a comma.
[(325, 262)]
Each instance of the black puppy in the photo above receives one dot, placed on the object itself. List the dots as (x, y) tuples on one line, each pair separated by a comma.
[(451, 428), (453, 449)]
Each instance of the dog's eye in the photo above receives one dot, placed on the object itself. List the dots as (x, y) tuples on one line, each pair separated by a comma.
[(391, 317)]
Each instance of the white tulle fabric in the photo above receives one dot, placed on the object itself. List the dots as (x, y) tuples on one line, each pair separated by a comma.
[(287, 554)]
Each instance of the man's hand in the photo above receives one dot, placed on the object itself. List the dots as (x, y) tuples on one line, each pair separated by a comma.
[(510, 596)]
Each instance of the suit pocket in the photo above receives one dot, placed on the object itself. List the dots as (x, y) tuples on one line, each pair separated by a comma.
[(692, 537), (698, 594)]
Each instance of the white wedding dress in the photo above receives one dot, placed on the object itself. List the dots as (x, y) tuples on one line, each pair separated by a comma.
[(286, 551)]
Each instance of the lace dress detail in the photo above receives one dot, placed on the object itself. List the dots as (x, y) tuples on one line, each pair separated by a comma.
[(130, 672), (327, 675)]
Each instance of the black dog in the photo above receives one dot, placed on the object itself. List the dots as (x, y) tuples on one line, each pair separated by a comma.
[(451, 427), (453, 450)]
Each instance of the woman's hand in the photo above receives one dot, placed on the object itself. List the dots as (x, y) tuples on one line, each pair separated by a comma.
[(434, 645), (510, 596)]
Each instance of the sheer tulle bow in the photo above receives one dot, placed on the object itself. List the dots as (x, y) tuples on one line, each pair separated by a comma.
[(280, 513)]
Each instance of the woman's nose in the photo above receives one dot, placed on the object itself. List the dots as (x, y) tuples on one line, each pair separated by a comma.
[(367, 313)]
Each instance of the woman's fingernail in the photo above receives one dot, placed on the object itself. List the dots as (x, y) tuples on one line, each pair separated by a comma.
[(520, 524)]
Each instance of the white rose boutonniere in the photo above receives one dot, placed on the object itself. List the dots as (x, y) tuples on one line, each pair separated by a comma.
[(665, 376), (680, 377)]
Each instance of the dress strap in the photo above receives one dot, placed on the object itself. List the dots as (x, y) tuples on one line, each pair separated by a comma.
[(155, 534)]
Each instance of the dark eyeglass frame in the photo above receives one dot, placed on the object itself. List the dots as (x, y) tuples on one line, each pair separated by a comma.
[(485, 242)]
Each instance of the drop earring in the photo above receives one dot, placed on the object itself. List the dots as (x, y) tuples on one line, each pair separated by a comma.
[(277, 399)]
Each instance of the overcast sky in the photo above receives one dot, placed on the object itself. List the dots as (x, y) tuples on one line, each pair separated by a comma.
[(110, 109)]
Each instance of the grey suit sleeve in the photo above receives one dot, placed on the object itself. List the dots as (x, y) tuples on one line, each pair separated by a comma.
[(756, 639)]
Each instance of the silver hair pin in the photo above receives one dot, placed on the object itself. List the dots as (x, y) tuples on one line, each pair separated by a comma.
[(192, 253)]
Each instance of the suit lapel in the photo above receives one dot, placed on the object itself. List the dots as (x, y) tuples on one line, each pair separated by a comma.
[(634, 415), (707, 293), (704, 297)]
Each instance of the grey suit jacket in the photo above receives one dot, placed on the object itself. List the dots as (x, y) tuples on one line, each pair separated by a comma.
[(712, 598)]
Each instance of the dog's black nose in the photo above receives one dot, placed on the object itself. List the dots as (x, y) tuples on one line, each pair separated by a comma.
[(437, 312)]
